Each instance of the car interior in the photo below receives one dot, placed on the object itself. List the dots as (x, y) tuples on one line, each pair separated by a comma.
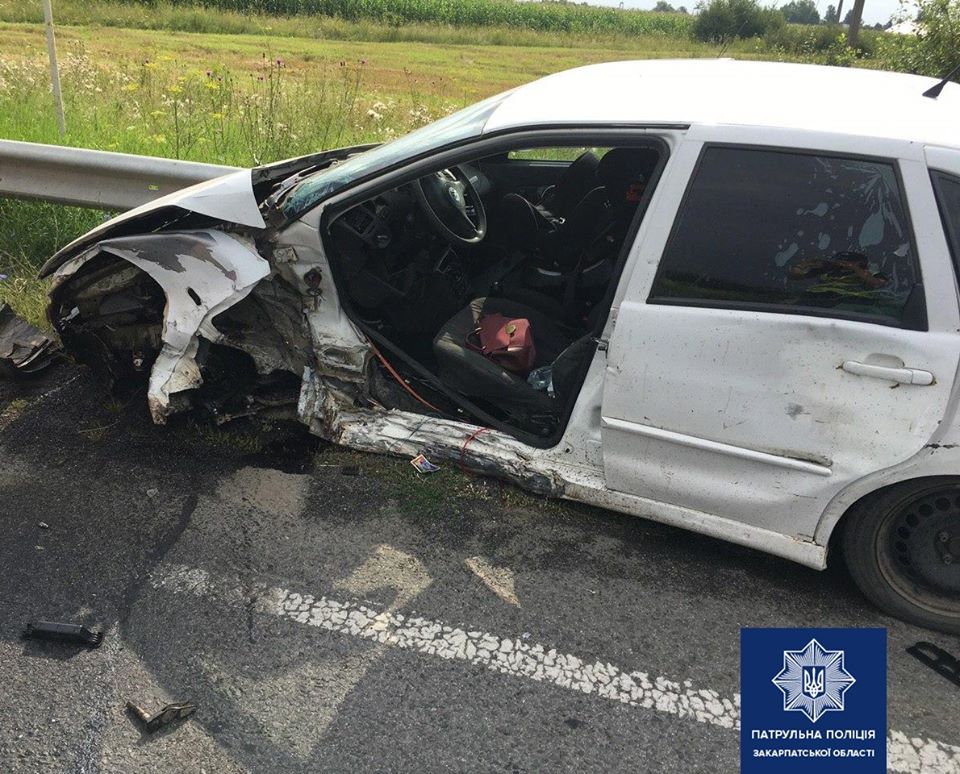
[(534, 235)]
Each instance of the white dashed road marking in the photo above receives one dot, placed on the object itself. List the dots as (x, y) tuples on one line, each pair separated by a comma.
[(520, 659)]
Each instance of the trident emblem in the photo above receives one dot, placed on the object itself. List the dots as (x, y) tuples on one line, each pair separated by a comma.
[(813, 681)]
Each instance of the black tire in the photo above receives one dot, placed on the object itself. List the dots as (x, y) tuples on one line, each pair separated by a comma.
[(902, 547)]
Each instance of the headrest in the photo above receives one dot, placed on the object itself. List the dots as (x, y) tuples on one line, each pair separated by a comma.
[(576, 180), (624, 172)]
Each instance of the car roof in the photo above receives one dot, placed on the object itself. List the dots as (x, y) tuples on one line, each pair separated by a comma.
[(841, 100)]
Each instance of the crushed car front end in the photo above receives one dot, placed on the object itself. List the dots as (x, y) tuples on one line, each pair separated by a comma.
[(189, 293)]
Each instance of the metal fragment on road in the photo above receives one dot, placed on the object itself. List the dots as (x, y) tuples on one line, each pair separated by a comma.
[(63, 632), (24, 349), (167, 715)]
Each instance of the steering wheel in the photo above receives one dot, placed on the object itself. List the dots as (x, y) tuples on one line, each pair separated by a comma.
[(452, 205)]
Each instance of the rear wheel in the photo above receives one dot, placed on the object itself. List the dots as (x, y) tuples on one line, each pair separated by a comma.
[(902, 546)]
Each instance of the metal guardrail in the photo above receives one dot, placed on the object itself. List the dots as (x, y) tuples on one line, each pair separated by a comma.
[(97, 179)]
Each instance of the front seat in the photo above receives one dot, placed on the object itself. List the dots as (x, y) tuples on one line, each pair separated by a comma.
[(523, 221), (603, 212), (475, 376), (576, 182)]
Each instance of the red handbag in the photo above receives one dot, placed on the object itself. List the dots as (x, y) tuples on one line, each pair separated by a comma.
[(508, 343)]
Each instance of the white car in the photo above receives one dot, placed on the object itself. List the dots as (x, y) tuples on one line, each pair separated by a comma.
[(739, 279)]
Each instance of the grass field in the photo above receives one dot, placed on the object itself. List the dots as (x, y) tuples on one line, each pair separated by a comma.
[(381, 20)]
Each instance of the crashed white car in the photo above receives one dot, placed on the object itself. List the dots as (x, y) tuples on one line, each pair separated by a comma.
[(737, 285)]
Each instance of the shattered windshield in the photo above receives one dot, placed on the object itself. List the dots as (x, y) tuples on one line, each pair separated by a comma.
[(459, 126)]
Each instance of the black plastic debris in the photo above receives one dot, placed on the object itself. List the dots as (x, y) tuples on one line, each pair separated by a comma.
[(63, 632), (164, 717), (938, 660), (24, 349)]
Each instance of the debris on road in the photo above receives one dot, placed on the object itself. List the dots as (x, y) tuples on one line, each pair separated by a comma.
[(63, 632), (938, 660), (423, 465), (24, 349), (166, 716)]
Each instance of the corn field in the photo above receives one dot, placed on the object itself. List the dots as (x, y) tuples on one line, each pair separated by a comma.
[(540, 16)]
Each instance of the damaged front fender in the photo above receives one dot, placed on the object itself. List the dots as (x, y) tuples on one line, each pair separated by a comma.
[(201, 273)]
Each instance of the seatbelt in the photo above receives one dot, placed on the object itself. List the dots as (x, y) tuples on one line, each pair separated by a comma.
[(572, 280)]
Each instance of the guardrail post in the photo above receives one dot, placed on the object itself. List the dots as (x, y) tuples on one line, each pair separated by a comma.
[(54, 69)]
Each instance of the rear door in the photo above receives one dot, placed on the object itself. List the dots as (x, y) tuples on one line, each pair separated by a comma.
[(797, 331)]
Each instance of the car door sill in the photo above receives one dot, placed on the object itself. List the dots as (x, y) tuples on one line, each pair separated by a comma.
[(693, 442)]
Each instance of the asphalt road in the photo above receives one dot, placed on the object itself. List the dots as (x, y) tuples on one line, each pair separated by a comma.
[(323, 621)]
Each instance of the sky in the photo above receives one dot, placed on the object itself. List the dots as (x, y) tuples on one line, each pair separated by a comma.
[(873, 10)]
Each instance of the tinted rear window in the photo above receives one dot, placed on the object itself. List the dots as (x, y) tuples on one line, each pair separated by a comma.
[(791, 232), (948, 197)]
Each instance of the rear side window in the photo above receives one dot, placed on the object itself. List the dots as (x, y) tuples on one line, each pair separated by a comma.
[(948, 199), (794, 233)]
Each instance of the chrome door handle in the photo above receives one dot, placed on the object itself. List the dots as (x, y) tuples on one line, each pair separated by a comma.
[(901, 375)]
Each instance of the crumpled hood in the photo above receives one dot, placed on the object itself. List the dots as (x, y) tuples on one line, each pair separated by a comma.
[(229, 198)]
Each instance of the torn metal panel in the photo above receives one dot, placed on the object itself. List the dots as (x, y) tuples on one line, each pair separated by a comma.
[(340, 350), (332, 414), (269, 326), (229, 198), (170, 713), (24, 349), (202, 273)]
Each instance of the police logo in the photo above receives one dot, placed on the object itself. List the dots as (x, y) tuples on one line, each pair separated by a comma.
[(813, 680)]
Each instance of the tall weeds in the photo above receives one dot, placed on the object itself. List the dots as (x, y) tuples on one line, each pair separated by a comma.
[(162, 107)]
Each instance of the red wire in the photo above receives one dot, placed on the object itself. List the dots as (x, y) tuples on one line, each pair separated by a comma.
[(400, 380), (409, 389), (463, 449)]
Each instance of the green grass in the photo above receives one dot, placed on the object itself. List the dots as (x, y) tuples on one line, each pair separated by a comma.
[(244, 439), (12, 410), (30, 232)]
